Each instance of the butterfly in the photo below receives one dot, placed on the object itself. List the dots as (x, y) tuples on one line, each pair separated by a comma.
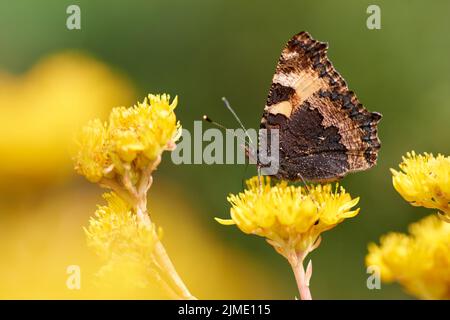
[(324, 131)]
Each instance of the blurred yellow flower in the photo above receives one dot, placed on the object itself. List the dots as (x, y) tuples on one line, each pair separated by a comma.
[(114, 230), (290, 218), (424, 180), (420, 262), (93, 155), (140, 134), (37, 248), (124, 244), (41, 109), (121, 155)]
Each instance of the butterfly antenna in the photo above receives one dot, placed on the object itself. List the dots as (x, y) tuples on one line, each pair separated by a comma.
[(243, 178), (227, 104), (208, 119)]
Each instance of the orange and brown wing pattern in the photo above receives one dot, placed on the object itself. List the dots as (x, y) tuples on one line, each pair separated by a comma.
[(325, 132)]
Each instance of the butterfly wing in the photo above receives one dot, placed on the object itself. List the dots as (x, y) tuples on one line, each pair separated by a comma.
[(324, 131)]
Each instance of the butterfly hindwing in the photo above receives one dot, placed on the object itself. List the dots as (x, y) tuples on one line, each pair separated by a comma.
[(325, 132)]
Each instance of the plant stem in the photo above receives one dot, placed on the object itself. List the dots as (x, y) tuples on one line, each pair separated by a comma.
[(160, 252), (296, 262), (167, 265), (163, 259)]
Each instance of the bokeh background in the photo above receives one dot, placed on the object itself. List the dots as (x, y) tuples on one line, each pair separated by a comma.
[(52, 80)]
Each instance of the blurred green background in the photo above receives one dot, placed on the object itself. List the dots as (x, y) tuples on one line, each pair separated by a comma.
[(202, 50)]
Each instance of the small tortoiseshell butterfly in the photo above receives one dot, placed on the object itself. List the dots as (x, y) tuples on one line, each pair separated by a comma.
[(324, 131)]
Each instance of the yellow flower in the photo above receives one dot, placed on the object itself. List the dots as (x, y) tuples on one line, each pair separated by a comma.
[(121, 155), (115, 231), (291, 218), (92, 159), (42, 108), (420, 262), (138, 134), (147, 128), (424, 180), (125, 245)]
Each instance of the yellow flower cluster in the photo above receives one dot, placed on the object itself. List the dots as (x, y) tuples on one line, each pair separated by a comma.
[(93, 156), (115, 234), (424, 180), (115, 230), (420, 262), (121, 155), (291, 218), (138, 134)]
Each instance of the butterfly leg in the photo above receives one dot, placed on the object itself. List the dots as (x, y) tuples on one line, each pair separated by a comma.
[(259, 179), (304, 182)]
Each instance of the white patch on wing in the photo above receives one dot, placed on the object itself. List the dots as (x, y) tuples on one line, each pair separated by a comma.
[(289, 54), (286, 79), (307, 85), (284, 107), (304, 83)]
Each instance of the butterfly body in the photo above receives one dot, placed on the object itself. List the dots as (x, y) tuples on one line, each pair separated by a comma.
[(324, 131)]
